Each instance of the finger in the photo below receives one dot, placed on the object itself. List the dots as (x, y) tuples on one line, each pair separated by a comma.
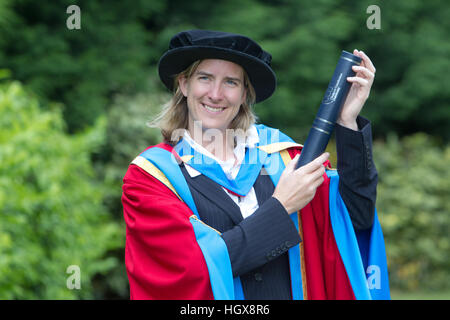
[(361, 81), (318, 173), (366, 60), (315, 183), (316, 163), (318, 182), (369, 74), (293, 162)]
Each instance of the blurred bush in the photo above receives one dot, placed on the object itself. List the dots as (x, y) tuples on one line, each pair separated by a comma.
[(127, 135), (82, 68), (120, 43), (414, 208), (51, 204), (99, 74)]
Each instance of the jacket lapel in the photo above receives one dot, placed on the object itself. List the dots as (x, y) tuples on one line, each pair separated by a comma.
[(263, 187), (216, 194)]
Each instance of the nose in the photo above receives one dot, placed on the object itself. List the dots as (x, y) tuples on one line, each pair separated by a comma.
[(215, 92)]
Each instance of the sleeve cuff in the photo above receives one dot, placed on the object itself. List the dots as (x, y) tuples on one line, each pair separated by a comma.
[(354, 149)]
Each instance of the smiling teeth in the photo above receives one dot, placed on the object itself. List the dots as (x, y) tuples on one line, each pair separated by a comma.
[(212, 109)]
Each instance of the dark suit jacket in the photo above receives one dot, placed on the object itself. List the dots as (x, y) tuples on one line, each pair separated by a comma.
[(258, 245)]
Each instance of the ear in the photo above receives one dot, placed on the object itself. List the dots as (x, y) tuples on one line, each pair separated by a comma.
[(183, 84)]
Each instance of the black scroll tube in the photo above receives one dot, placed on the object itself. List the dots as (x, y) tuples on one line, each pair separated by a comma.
[(329, 109)]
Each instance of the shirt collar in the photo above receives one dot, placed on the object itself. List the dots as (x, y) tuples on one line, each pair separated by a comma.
[(251, 140)]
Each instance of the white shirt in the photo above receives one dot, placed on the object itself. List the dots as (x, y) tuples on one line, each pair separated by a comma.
[(248, 203)]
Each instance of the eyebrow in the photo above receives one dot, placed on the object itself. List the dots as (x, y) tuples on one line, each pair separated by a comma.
[(212, 76)]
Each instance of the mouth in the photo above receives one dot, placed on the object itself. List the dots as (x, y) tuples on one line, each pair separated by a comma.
[(211, 109)]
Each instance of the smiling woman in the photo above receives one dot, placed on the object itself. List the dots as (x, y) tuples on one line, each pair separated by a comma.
[(176, 114), (222, 220), (214, 96)]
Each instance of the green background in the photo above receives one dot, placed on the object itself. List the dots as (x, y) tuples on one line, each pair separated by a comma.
[(74, 106)]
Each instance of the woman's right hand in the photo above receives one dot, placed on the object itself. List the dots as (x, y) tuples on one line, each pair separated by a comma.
[(297, 187)]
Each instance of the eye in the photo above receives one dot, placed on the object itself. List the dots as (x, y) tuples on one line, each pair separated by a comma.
[(232, 82), (203, 78)]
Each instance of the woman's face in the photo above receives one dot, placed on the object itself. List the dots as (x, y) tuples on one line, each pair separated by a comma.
[(214, 93)]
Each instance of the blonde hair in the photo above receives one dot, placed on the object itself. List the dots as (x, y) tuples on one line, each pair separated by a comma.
[(174, 114)]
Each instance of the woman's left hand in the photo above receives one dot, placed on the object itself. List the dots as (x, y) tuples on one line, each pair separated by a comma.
[(359, 91)]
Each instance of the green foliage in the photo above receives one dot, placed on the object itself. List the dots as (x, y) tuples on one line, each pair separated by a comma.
[(305, 38), (103, 77), (411, 55), (80, 68), (120, 43), (413, 190), (51, 204), (127, 135)]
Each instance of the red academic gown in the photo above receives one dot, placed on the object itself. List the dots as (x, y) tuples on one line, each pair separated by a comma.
[(164, 261)]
